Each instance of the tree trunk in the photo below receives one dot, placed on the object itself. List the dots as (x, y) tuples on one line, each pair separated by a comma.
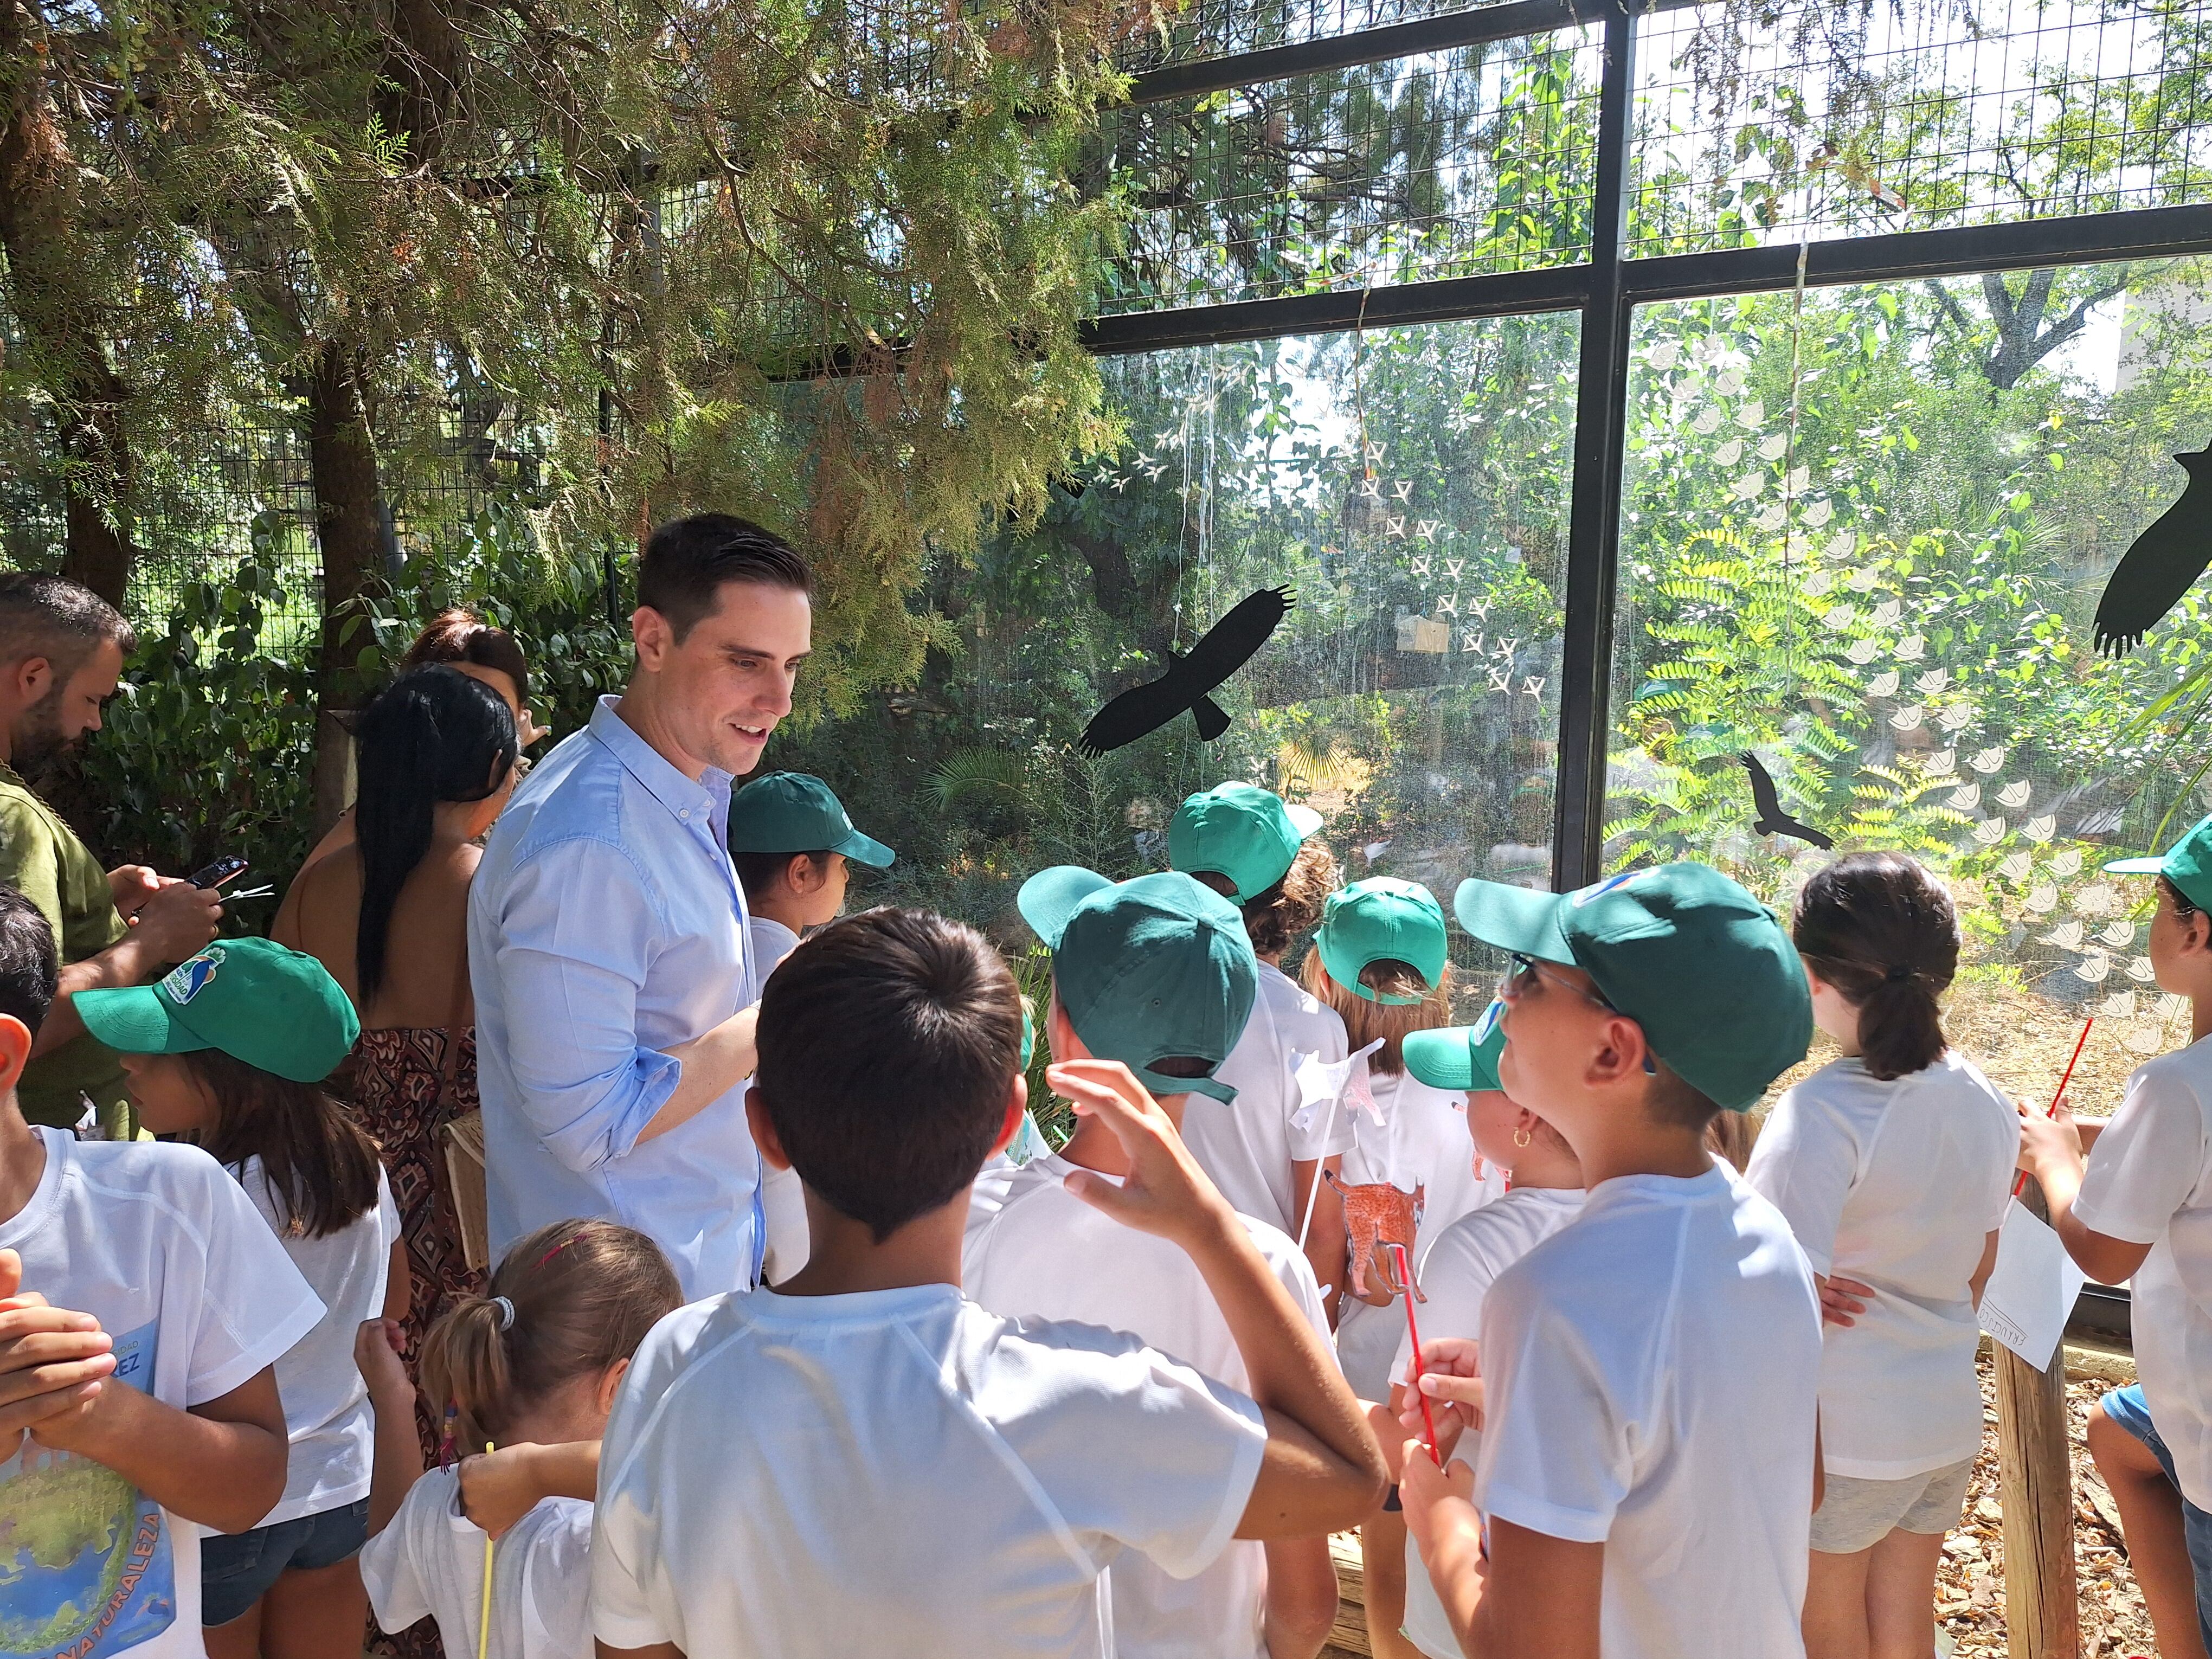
[(97, 552), (2035, 1489), (342, 456)]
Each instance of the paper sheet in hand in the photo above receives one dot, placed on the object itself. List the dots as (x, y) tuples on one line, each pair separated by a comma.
[(2031, 1290), (1323, 1083)]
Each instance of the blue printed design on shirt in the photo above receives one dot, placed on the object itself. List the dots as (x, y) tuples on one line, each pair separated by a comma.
[(85, 1563)]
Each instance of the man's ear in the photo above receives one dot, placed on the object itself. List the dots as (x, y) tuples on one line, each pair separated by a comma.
[(764, 1135), (15, 1051), (654, 639), (1017, 1103), (31, 680)]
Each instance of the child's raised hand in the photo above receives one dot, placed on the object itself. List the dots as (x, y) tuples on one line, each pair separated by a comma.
[(1451, 1377), (376, 1351), (1165, 1192), (2049, 1142)]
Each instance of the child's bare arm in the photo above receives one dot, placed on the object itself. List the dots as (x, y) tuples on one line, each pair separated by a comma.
[(221, 1463), (658, 1651), (397, 1463), (499, 1488), (1536, 1597), (1322, 1470), (2051, 1150), (1302, 1597)]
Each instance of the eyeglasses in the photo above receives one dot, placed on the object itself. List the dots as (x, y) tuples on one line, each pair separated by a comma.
[(1518, 980)]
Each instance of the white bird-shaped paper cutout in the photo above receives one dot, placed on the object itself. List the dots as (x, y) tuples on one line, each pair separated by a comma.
[(1839, 617), (1664, 355), (1886, 612), (2015, 868), (1453, 567), (2015, 795), (1706, 422), (1966, 797), (1819, 513), (2120, 1004), (1370, 489), (2094, 967), (1816, 585), (1908, 718), (2145, 1040), (1375, 453), (1747, 487), (1421, 563), (1842, 543), (1501, 679), (1469, 639), (1505, 647), (1448, 605), (1883, 684), (1862, 580), (1771, 517), (1935, 680), (1987, 760), (1403, 489), (1770, 449), (2043, 901), (2140, 971), (2039, 829), (2066, 863), (1989, 831), (1752, 414), (2098, 900), (1395, 527), (1796, 478), (1912, 646), (2120, 935), (1533, 685), (1942, 763), (1862, 652), (1956, 717), (2067, 936), (1729, 452), (1426, 528)]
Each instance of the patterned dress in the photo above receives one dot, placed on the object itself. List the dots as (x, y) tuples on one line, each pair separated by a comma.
[(394, 1087)]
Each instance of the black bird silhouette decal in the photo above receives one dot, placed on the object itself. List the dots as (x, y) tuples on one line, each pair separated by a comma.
[(2165, 560), (1772, 819), (1226, 647)]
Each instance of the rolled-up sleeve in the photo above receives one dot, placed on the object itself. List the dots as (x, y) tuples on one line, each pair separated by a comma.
[(577, 928)]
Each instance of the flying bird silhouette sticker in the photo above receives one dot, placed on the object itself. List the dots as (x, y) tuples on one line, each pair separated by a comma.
[(2165, 560), (1772, 819), (1192, 676)]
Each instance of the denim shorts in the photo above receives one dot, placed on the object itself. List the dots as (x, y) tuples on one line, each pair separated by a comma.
[(237, 1569), (2125, 1409)]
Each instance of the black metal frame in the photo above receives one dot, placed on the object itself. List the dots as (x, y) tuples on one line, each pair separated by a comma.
[(1607, 291)]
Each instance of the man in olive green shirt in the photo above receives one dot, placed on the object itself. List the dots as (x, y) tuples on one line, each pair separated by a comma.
[(62, 648)]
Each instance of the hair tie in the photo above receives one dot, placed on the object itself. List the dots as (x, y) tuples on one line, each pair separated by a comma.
[(505, 1312), (1897, 975), (571, 1239)]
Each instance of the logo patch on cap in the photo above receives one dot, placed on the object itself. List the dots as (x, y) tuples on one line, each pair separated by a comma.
[(1598, 890), (188, 979)]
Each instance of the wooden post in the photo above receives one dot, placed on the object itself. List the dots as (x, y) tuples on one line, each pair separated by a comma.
[(2035, 1487)]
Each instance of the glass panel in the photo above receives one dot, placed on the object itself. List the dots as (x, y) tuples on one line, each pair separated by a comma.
[(1864, 543), (1412, 487), (1453, 164), (1827, 121)]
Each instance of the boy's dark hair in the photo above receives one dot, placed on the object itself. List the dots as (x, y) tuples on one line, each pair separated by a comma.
[(1291, 907), (51, 616), (891, 1127), (1880, 928), (687, 560), (1671, 1102), (757, 873), (30, 969), (319, 1163), (2183, 906)]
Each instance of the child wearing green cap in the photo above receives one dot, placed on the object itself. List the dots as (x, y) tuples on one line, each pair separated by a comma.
[(144, 1307), (1155, 973), (1455, 1272), (1380, 962), (1649, 1373), (228, 1052), (916, 1475), (2138, 1208), (790, 841), (1267, 1153)]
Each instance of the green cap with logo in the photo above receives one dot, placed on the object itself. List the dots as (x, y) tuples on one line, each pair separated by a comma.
[(1381, 920), (795, 812), (1245, 834), (1456, 1056), (1155, 969), (2187, 864), (275, 1009), (1681, 949)]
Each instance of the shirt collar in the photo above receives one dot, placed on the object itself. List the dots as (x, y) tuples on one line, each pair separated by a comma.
[(651, 768)]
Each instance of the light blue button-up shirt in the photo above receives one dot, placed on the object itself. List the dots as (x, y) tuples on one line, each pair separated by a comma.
[(605, 924)]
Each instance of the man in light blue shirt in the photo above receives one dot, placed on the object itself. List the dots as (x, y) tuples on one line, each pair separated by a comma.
[(607, 931)]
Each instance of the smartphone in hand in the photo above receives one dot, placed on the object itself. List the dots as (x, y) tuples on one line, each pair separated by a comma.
[(218, 872)]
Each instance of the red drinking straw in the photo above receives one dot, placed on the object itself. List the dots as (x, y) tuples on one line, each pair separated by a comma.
[(2019, 1186), (1406, 1281)]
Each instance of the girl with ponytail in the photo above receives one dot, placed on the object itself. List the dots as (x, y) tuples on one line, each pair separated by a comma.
[(530, 1368), (1893, 1165)]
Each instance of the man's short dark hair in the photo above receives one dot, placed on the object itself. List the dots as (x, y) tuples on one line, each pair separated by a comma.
[(687, 560), (51, 616), (889, 1042), (29, 969)]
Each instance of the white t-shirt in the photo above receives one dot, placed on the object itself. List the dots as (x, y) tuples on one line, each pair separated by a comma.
[(1043, 1254), (1652, 1370), (900, 1472), (159, 1245), (1422, 1142), (1456, 1272), (1249, 1145), (429, 1560), (783, 1201), (326, 1411), (2149, 1181), (1896, 1185)]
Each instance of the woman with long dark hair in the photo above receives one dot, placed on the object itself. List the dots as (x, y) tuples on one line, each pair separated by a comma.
[(387, 916)]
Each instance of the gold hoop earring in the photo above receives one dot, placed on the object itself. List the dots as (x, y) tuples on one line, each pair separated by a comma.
[(1521, 1137)]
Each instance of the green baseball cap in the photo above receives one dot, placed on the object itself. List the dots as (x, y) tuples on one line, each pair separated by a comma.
[(2187, 864), (1687, 954), (794, 812), (1382, 919), (1148, 969), (1244, 833), (273, 1008), (1456, 1056)]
